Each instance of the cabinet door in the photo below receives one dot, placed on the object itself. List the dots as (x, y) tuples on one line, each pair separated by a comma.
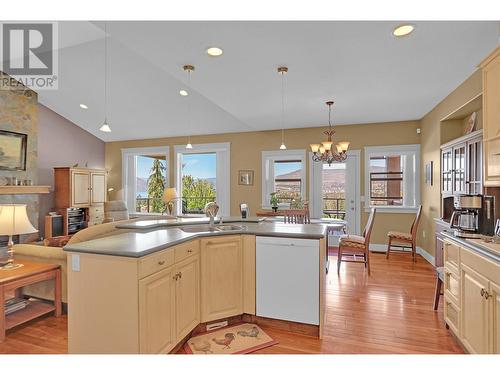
[(475, 323), (187, 296), (447, 171), (474, 167), (98, 187), (495, 317), (491, 120), (80, 189), (156, 312), (459, 162), (221, 278)]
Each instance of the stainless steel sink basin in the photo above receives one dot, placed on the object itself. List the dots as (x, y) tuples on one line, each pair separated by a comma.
[(207, 228)]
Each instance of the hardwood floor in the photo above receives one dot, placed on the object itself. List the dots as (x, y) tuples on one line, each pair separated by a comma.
[(388, 312)]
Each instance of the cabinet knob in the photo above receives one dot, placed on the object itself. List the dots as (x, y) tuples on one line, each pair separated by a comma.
[(180, 275), (190, 251), (486, 295), (483, 291), (161, 262)]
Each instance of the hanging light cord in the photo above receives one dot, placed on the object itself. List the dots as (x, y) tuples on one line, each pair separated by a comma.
[(282, 108), (189, 104), (105, 72)]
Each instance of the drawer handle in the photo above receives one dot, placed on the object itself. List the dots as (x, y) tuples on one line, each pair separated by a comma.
[(161, 262), (190, 251)]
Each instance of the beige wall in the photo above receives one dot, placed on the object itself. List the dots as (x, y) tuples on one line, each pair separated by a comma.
[(432, 136), (246, 154)]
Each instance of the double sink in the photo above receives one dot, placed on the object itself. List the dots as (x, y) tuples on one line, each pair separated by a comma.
[(211, 228)]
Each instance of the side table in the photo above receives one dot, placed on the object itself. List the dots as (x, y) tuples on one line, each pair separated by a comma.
[(13, 280)]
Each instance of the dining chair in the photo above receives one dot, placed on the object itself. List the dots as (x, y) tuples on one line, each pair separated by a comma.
[(353, 245), (403, 240), (296, 216)]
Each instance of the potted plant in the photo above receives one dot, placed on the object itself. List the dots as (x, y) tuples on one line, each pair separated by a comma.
[(274, 202)]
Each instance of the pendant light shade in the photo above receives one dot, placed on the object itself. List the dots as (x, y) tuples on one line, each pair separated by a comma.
[(105, 128)]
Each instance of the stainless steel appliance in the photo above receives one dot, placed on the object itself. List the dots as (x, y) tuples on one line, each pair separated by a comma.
[(473, 216)]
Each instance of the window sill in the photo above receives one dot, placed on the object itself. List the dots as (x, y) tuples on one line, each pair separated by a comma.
[(394, 210)]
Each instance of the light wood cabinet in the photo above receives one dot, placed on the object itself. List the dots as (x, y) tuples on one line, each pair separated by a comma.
[(80, 189), (221, 277), (495, 313), (98, 187), (473, 314), (157, 311), (491, 117), (187, 297), (475, 319)]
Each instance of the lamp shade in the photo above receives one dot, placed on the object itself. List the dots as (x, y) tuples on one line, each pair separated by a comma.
[(170, 194), (14, 220)]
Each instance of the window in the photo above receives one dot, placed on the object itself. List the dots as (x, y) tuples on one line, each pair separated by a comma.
[(202, 176), (333, 190), (144, 177), (392, 177), (199, 181), (283, 173)]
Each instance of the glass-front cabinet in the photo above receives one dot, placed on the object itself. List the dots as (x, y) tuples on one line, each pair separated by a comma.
[(461, 165)]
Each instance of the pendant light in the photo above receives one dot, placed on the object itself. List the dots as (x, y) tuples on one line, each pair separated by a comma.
[(282, 70), (188, 69), (105, 126)]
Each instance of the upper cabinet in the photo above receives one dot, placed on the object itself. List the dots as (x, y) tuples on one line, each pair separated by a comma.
[(79, 187), (491, 122), (461, 165)]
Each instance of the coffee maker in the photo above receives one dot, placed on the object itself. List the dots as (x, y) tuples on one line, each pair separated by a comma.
[(473, 216)]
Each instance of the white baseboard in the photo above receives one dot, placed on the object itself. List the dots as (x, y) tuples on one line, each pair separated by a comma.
[(382, 248)]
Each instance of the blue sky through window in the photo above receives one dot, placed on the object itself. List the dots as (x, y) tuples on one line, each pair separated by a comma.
[(284, 168), (200, 165)]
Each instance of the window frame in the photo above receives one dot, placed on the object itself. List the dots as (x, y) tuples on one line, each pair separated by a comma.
[(223, 171), (129, 175), (268, 177), (411, 176)]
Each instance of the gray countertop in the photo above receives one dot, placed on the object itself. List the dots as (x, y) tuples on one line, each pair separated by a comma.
[(140, 243), (476, 247)]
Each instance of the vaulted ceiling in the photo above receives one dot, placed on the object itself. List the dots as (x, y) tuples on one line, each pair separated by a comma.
[(371, 75)]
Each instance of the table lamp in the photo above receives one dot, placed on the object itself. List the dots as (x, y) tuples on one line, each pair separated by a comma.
[(169, 197), (14, 220)]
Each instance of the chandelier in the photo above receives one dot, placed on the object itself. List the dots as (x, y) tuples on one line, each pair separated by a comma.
[(323, 152)]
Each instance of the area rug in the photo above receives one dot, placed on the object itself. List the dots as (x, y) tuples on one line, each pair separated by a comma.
[(238, 339)]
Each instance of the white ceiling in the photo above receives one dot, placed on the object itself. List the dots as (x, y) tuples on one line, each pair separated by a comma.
[(372, 76)]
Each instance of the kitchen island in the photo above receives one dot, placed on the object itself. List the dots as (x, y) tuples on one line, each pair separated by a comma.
[(147, 290)]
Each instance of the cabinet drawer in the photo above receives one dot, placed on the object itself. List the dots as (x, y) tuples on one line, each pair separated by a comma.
[(452, 284), (185, 250), (155, 262), (452, 316), (451, 255), (96, 210)]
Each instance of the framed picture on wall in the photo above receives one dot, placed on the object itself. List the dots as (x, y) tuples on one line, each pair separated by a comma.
[(13, 151), (245, 177)]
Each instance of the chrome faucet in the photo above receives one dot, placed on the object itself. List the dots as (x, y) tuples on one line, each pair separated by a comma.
[(211, 209)]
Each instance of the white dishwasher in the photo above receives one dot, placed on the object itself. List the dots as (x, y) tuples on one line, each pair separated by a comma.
[(287, 277)]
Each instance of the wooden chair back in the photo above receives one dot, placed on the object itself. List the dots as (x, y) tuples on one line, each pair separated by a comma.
[(414, 226), (296, 216), (369, 226)]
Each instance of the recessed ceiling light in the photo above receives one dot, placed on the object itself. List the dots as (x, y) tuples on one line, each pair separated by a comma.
[(83, 106), (215, 51), (403, 30), (183, 93)]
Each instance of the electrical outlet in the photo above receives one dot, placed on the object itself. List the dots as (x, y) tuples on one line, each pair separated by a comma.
[(75, 263), (423, 233)]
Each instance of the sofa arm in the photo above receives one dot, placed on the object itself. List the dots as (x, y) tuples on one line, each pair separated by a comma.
[(42, 252)]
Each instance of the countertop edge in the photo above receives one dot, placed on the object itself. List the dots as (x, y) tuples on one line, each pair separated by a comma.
[(76, 249), (476, 248)]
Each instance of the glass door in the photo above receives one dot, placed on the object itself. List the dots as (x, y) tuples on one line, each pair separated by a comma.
[(447, 171), (474, 167), (459, 185)]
